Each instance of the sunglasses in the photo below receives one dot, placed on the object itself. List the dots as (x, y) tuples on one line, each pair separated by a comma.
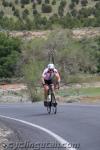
[(50, 69)]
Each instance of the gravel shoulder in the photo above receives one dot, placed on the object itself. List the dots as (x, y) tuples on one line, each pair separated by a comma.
[(5, 133)]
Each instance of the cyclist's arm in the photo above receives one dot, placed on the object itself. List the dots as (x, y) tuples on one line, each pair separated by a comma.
[(43, 82), (58, 79), (43, 76)]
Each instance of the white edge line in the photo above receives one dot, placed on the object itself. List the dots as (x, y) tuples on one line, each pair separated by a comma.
[(57, 137)]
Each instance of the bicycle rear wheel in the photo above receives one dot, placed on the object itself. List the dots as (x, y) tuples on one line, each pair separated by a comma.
[(49, 108)]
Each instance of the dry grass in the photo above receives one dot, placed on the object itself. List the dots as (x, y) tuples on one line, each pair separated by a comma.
[(90, 100), (86, 33)]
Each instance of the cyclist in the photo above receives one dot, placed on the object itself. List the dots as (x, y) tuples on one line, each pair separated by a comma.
[(49, 76)]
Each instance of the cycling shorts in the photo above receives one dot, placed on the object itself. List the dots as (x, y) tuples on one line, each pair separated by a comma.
[(48, 82)]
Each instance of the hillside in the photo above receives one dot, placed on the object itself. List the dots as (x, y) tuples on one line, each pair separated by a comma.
[(48, 14), (30, 5)]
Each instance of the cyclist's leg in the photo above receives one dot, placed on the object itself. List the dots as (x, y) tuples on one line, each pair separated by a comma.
[(46, 88), (53, 88), (54, 95)]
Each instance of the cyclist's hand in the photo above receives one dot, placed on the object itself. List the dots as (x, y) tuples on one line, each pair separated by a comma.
[(43, 84), (58, 86)]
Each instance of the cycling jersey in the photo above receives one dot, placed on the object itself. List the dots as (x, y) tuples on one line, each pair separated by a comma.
[(48, 75)]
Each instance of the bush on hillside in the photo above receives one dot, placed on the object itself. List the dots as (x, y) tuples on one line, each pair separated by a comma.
[(46, 8), (9, 55)]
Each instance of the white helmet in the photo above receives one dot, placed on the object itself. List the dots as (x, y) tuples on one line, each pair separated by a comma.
[(51, 66)]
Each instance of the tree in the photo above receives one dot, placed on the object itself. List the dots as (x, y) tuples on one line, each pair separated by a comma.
[(60, 11), (1, 13), (39, 1), (41, 22), (34, 5), (97, 13), (35, 12), (63, 3), (84, 13), (53, 2), (19, 25), (29, 24), (72, 5), (97, 5), (32, 66), (54, 18), (16, 2), (22, 6), (84, 2), (61, 8), (16, 13), (68, 21), (25, 13), (9, 55), (5, 3), (10, 4), (25, 2), (13, 8), (7, 23), (74, 13), (75, 1), (46, 8), (47, 1)]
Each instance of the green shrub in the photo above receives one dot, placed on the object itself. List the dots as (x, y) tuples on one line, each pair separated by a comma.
[(25, 1), (39, 1), (53, 2), (9, 55), (47, 1), (46, 8), (35, 11)]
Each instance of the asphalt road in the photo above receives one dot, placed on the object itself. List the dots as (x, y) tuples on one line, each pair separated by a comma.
[(78, 124)]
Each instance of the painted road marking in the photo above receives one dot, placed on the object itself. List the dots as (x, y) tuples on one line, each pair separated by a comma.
[(62, 141)]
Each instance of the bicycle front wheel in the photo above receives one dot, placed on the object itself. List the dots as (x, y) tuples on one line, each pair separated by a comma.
[(54, 103)]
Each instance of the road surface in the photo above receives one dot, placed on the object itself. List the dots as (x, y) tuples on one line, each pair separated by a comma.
[(77, 124)]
